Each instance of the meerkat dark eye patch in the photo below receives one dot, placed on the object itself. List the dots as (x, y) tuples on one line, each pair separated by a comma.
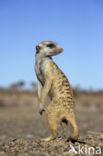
[(51, 45)]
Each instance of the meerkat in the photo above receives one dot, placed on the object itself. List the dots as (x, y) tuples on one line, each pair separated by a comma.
[(53, 82)]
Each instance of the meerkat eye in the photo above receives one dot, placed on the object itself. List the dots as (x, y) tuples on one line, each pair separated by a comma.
[(51, 45)]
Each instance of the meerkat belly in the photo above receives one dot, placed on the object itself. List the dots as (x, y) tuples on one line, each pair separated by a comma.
[(41, 78), (40, 73)]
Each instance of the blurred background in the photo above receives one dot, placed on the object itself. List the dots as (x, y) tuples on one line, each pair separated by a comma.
[(77, 26)]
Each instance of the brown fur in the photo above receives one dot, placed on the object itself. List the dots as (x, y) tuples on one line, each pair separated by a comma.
[(54, 83)]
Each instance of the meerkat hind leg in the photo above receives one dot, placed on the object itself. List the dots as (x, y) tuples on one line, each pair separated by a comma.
[(53, 128), (75, 128)]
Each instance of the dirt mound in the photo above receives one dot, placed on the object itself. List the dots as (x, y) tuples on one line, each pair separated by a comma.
[(29, 146)]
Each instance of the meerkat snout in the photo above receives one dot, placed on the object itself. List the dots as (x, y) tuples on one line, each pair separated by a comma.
[(48, 48)]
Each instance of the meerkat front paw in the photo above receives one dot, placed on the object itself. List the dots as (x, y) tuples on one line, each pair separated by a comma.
[(41, 111)]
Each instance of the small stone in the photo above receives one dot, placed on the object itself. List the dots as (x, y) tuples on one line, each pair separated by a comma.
[(29, 136), (25, 149)]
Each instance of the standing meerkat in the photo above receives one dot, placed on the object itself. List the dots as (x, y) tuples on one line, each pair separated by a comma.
[(53, 82)]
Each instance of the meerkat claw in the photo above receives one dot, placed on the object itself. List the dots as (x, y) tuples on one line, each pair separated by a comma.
[(41, 112)]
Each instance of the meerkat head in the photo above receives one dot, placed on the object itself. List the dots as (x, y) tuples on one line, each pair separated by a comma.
[(48, 48)]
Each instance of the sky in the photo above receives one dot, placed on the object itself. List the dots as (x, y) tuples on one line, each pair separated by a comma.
[(76, 25)]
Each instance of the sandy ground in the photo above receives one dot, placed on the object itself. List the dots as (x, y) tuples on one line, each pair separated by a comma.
[(21, 125)]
